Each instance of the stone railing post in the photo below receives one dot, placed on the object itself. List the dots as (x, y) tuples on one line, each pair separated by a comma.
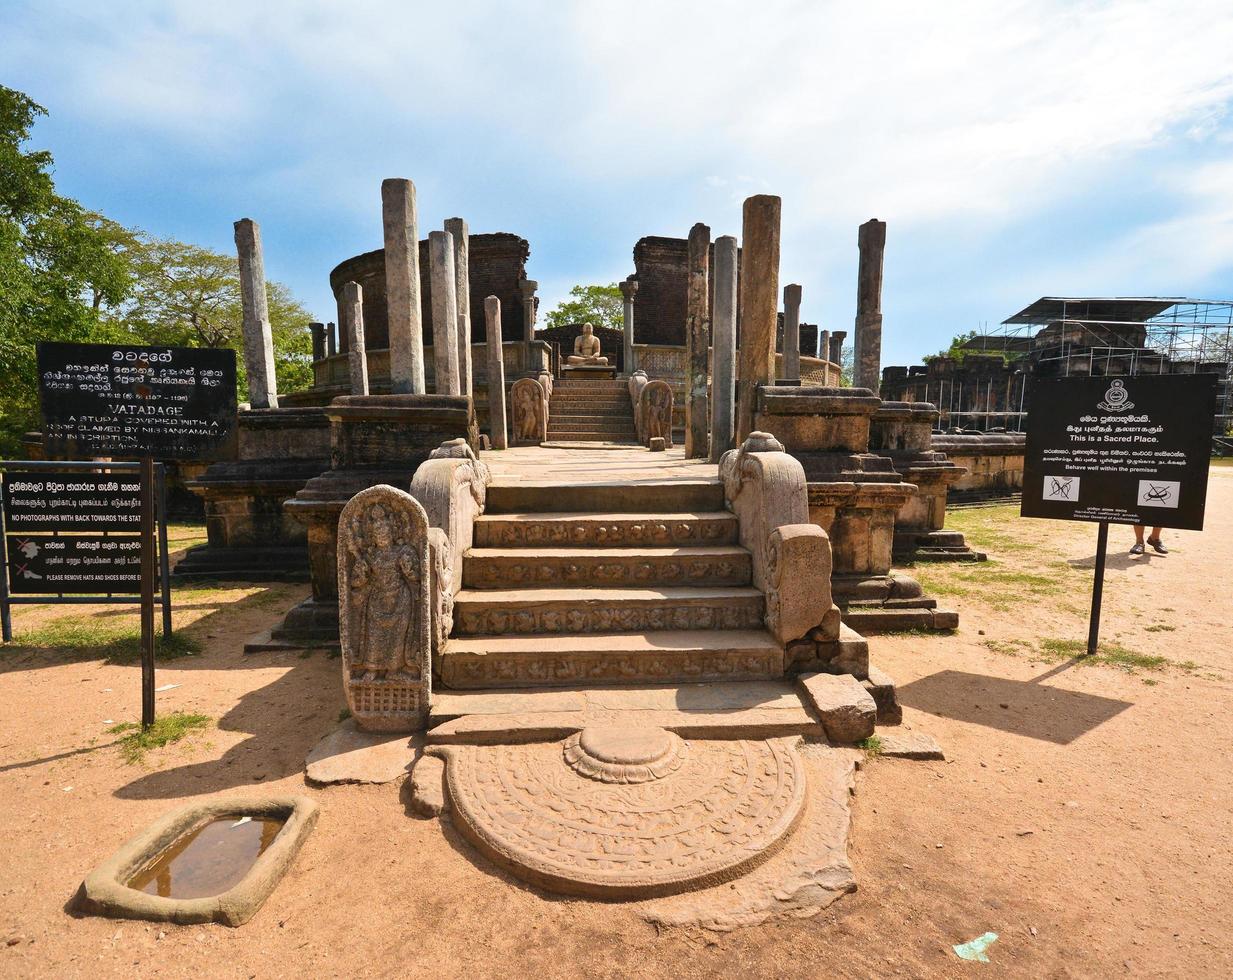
[(759, 304), (353, 324), (498, 431), (402, 287), (723, 367), (258, 337), (629, 290), (697, 340)]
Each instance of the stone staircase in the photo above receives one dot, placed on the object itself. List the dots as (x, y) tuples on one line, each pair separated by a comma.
[(590, 410), (599, 584)]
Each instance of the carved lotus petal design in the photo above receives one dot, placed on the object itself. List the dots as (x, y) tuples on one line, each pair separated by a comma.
[(626, 813)]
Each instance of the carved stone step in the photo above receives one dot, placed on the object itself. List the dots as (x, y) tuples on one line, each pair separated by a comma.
[(605, 530), (675, 496), (498, 568), (542, 611), (612, 438), (469, 663), (592, 424), (585, 413), (591, 397)]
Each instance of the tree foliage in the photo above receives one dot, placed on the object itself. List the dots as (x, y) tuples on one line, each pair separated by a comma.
[(600, 306), (74, 275)]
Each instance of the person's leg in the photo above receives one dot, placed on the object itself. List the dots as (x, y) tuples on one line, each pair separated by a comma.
[(1137, 547), (1139, 529), (1156, 543)]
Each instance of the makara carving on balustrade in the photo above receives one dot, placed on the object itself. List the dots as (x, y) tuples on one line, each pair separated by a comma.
[(385, 609)]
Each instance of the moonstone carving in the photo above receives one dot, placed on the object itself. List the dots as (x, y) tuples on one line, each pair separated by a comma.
[(384, 603), (655, 413), (627, 813), (530, 412)]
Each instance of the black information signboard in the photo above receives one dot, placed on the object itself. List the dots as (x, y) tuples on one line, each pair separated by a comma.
[(46, 501), (78, 564), (116, 400), (1131, 450)]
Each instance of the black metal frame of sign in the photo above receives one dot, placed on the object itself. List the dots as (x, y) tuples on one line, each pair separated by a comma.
[(124, 400), (1119, 450), (14, 539)]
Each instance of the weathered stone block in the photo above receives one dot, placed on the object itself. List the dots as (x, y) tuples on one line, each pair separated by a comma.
[(846, 709)]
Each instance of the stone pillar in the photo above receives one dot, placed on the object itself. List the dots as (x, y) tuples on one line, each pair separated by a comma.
[(836, 342), (867, 360), (402, 287), (528, 287), (331, 339), (318, 333), (462, 295), (723, 366), (258, 338), (444, 312), (353, 324), (824, 345), (759, 304), (496, 374), (697, 340), (629, 290), (792, 332)]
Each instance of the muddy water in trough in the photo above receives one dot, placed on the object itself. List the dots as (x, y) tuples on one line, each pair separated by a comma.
[(210, 859)]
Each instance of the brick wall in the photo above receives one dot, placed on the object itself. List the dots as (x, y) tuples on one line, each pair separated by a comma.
[(497, 262)]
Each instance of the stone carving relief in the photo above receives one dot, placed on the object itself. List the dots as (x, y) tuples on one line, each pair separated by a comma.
[(627, 813), (698, 531), (530, 409), (656, 413), (385, 612), (558, 669), (598, 618), (597, 570)]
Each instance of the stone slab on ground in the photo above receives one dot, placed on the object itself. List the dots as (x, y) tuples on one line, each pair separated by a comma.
[(808, 874), (882, 689), (847, 711), (749, 709), (428, 786), (909, 745), (264, 642), (349, 755)]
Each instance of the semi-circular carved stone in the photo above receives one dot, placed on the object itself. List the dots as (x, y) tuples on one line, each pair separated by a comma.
[(723, 810), (625, 755)]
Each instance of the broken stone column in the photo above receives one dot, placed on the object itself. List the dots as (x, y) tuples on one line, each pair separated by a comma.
[(402, 287), (353, 324), (792, 332), (836, 342), (528, 287), (867, 360), (258, 338), (723, 357), (318, 334), (629, 290), (444, 312), (462, 294), (331, 339), (697, 340), (759, 304), (496, 374)]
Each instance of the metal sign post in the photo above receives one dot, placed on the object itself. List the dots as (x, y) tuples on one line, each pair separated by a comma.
[(1098, 588), (148, 575)]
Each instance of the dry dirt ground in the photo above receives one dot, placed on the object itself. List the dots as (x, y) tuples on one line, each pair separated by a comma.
[(1083, 812)]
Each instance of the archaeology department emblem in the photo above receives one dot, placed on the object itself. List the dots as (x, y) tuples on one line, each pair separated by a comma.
[(1117, 398)]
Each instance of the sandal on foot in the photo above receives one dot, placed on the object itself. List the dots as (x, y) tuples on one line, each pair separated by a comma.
[(1159, 548), (1136, 549)]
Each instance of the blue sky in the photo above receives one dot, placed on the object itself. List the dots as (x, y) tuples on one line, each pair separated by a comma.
[(1016, 149)]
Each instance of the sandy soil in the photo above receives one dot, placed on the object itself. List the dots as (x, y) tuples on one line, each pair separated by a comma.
[(1083, 813)]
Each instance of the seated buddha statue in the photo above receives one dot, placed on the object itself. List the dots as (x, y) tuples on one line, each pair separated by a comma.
[(586, 349)]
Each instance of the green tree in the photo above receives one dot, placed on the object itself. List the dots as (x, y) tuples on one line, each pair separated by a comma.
[(188, 296), (57, 268), (600, 306)]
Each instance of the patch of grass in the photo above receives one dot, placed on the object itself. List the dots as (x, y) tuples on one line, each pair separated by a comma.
[(1012, 648), (344, 714), (1112, 655), (165, 730), (872, 746), (116, 643), (1159, 628)]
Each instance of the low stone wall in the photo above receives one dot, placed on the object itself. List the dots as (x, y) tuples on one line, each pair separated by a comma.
[(994, 461)]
